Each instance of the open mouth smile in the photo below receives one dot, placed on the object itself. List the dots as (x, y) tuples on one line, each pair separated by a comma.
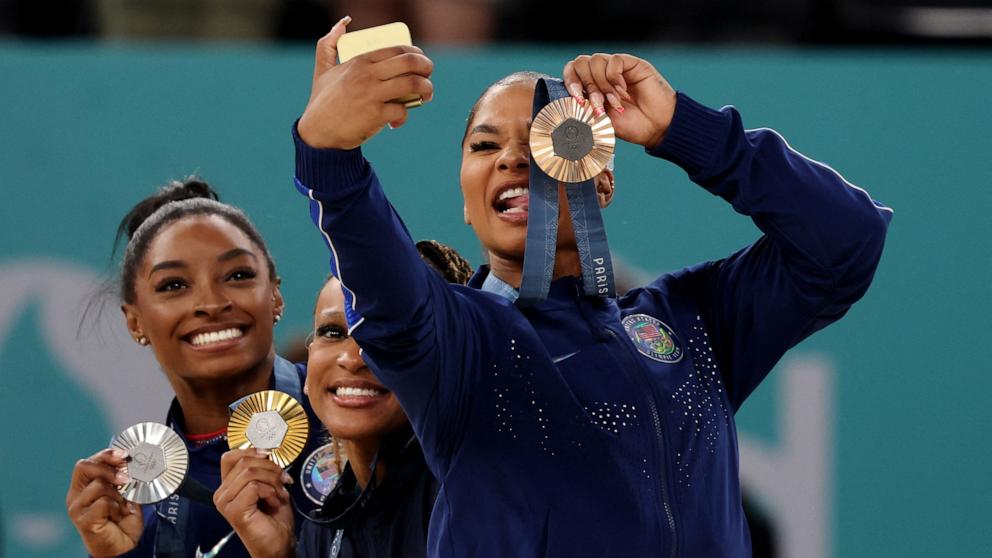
[(356, 394), (217, 337), (512, 202)]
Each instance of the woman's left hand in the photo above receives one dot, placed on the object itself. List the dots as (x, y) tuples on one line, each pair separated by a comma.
[(632, 92)]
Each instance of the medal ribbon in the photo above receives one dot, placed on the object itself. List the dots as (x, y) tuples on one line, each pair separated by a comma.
[(542, 225)]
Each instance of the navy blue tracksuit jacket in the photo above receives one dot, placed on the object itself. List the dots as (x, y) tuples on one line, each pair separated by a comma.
[(600, 427)]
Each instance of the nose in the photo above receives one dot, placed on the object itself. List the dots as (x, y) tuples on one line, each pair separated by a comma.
[(516, 156), (350, 357), (211, 303)]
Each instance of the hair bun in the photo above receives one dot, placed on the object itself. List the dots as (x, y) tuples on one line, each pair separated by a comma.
[(176, 190)]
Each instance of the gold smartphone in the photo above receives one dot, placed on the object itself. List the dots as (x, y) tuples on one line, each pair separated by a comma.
[(358, 42)]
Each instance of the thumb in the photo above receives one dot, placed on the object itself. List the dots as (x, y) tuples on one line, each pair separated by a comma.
[(327, 47)]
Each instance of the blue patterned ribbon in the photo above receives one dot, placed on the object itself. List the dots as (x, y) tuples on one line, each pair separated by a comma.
[(542, 225)]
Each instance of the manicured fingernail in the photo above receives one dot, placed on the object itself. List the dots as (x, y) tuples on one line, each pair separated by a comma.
[(576, 92), (119, 453), (286, 479), (261, 452), (345, 20), (121, 477), (599, 111), (614, 102), (623, 93), (390, 125), (620, 109)]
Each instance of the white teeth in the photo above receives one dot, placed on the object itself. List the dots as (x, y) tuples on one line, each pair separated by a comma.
[(201, 339), (512, 193), (514, 210), (356, 392)]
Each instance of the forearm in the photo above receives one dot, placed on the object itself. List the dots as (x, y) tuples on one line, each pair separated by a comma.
[(384, 279), (825, 226)]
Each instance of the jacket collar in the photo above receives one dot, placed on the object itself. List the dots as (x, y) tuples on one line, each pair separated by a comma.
[(348, 503), (284, 378)]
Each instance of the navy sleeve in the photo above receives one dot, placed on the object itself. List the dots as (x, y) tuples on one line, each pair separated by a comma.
[(414, 332), (822, 241)]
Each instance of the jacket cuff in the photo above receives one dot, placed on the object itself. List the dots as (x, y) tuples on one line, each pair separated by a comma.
[(318, 167), (694, 136)]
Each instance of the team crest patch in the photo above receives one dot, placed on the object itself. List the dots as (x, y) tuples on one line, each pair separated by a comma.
[(320, 473), (653, 338)]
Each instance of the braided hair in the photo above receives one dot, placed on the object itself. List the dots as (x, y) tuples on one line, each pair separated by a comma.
[(445, 260)]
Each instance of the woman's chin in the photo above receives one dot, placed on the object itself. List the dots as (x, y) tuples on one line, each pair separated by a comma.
[(355, 432), (218, 368)]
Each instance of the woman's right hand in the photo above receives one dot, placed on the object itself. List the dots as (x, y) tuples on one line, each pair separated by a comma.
[(253, 499), (351, 102), (108, 525)]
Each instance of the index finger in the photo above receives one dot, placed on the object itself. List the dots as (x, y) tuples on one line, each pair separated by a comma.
[(231, 458), (572, 83), (103, 464), (380, 54)]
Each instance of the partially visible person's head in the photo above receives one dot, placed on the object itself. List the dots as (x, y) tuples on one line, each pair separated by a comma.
[(496, 165), (350, 401), (198, 284)]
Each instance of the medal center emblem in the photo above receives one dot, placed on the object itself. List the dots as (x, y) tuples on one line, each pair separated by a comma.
[(147, 462), (572, 139), (266, 430)]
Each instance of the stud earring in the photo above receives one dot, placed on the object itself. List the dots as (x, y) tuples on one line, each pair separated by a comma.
[(142, 340), (276, 318)]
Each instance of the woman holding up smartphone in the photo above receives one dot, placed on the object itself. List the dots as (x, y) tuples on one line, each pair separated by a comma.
[(580, 425)]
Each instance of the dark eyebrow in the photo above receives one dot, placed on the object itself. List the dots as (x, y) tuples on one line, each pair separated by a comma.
[(485, 129), (331, 314), (237, 252), (168, 264)]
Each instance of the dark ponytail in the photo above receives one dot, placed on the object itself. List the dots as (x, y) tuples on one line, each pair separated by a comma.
[(173, 191)]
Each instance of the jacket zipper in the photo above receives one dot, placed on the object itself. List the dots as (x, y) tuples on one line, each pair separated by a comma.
[(656, 420)]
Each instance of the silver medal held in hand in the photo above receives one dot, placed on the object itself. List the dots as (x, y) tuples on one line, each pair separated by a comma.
[(157, 461)]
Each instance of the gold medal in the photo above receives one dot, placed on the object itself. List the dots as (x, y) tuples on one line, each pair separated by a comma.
[(157, 461), (269, 420), (569, 142)]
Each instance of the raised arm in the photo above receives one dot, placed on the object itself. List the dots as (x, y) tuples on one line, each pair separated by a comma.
[(823, 235), (403, 315), (822, 240)]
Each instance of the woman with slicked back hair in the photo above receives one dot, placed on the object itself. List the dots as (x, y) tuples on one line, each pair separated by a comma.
[(199, 289)]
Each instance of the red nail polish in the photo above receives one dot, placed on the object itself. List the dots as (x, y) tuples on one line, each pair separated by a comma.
[(599, 111), (581, 101), (620, 110)]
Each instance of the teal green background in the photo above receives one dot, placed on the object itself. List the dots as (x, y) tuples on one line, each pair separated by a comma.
[(86, 130)]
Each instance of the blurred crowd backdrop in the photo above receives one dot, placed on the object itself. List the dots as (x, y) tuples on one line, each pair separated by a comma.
[(870, 439)]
